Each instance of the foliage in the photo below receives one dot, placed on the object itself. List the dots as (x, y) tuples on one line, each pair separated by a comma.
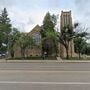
[(50, 35), (87, 49), (13, 37), (67, 34), (80, 45), (5, 29), (81, 36), (24, 42), (48, 22), (48, 32), (65, 37)]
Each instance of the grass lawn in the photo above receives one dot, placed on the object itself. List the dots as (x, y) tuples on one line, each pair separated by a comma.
[(77, 58), (33, 58)]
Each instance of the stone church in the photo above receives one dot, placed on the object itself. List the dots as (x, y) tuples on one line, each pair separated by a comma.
[(65, 19)]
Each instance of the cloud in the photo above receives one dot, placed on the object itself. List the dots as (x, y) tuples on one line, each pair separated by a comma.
[(83, 11), (6, 3), (54, 3), (25, 14), (26, 20), (83, 5), (30, 21)]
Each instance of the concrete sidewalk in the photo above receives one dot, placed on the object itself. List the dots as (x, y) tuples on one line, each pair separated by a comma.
[(27, 61), (74, 61), (44, 61)]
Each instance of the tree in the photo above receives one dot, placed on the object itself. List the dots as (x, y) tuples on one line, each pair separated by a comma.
[(80, 41), (24, 42), (87, 52), (13, 37), (5, 28), (53, 36), (48, 22), (65, 37), (48, 28), (67, 34), (80, 45)]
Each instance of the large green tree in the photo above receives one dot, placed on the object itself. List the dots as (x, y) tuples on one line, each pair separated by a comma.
[(65, 38), (53, 36), (48, 29), (5, 28), (67, 34)]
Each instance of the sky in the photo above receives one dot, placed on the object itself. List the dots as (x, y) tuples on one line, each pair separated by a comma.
[(26, 14)]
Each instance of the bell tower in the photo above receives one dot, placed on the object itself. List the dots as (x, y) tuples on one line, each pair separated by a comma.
[(66, 19)]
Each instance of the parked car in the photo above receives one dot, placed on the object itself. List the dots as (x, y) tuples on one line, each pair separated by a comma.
[(3, 55)]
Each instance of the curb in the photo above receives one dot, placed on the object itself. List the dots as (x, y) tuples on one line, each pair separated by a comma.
[(29, 61), (44, 61), (75, 61)]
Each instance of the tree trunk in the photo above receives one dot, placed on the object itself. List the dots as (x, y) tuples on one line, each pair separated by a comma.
[(26, 52), (12, 53), (22, 53), (55, 47), (79, 55), (67, 48), (67, 57)]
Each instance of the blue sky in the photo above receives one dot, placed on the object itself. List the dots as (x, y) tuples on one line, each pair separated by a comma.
[(25, 14)]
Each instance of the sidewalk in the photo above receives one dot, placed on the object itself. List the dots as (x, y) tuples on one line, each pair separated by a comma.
[(44, 61), (28, 61), (75, 61)]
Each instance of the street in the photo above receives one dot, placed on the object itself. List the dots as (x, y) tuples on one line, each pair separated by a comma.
[(44, 76)]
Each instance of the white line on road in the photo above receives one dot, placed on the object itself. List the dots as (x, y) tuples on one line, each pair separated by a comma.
[(40, 71), (45, 83)]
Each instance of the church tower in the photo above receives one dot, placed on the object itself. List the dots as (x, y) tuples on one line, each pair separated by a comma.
[(66, 19)]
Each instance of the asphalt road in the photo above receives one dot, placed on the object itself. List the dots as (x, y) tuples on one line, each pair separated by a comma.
[(44, 76), (46, 66)]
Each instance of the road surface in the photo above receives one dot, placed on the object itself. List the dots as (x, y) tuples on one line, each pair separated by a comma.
[(44, 76)]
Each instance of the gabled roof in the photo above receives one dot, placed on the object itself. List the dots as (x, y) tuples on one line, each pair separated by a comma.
[(36, 29)]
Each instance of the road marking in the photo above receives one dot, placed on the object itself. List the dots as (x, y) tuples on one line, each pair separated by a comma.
[(40, 71), (45, 83)]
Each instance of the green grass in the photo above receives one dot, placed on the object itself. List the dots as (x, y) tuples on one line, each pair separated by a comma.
[(77, 58), (33, 58)]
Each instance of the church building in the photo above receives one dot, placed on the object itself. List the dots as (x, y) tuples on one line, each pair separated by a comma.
[(65, 19)]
